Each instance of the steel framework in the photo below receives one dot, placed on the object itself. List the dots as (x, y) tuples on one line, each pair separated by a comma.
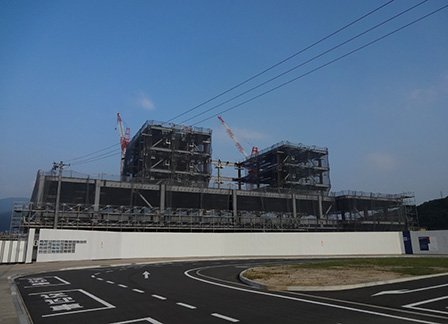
[(87, 203), (288, 165), (169, 153)]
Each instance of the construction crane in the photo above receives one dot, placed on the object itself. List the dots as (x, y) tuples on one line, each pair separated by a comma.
[(125, 135), (232, 136), (237, 143)]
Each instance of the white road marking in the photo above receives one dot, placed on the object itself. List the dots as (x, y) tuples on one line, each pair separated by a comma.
[(407, 291), (186, 305), (110, 282), (147, 319), (230, 319), (187, 273), (100, 279), (99, 300), (390, 292), (159, 297), (139, 291), (413, 305), (122, 286), (79, 268), (92, 276), (396, 310), (64, 282), (121, 265)]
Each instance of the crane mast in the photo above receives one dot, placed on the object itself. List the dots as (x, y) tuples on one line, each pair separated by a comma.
[(125, 135)]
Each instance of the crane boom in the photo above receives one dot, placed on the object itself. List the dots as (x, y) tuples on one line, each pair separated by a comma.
[(125, 135), (232, 136)]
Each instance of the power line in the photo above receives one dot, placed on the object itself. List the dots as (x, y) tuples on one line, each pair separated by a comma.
[(110, 154), (90, 154), (282, 61), (307, 61), (98, 158), (254, 76), (323, 65)]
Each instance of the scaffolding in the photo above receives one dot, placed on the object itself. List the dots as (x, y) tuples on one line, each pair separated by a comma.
[(288, 165), (165, 186), (169, 153)]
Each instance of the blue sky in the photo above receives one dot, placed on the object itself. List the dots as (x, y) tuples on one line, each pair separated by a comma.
[(67, 68)]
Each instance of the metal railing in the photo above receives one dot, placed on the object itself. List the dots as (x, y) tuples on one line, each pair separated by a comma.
[(362, 194)]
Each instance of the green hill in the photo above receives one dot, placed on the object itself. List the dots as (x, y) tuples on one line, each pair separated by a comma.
[(6, 205), (433, 214)]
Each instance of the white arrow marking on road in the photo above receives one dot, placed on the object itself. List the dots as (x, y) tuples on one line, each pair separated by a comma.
[(146, 274), (407, 291)]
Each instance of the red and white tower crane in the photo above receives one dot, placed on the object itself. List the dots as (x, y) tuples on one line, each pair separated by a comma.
[(125, 135), (232, 136), (239, 147), (235, 140)]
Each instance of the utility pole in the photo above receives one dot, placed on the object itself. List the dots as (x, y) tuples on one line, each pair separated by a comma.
[(218, 168), (58, 166)]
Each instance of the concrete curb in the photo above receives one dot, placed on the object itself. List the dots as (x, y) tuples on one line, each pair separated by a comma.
[(23, 316), (258, 285), (250, 282)]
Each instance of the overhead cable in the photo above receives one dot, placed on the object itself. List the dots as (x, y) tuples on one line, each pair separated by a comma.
[(323, 65), (307, 61), (282, 61), (90, 154), (99, 157), (255, 75)]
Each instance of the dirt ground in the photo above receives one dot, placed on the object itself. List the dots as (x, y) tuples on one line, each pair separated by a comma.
[(281, 276)]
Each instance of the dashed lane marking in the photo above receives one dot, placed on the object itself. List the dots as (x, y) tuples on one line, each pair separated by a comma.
[(101, 279), (139, 291), (186, 305), (159, 297), (110, 282), (227, 318), (122, 286)]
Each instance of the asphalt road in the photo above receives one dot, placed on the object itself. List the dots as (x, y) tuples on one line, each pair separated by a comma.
[(210, 292)]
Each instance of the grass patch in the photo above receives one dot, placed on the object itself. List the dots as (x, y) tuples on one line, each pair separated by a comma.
[(405, 266), (254, 274)]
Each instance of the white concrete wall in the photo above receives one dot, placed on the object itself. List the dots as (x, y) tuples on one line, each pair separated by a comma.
[(111, 245), (438, 242), (12, 251)]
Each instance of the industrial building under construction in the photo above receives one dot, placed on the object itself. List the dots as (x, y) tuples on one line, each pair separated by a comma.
[(167, 185)]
